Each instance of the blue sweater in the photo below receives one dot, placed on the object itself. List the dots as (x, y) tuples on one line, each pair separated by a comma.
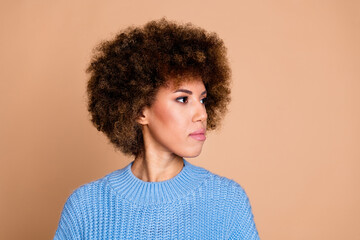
[(195, 204)]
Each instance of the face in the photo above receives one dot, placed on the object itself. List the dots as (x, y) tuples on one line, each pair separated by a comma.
[(176, 122)]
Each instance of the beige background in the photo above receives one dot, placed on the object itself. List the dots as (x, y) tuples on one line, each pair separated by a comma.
[(291, 138)]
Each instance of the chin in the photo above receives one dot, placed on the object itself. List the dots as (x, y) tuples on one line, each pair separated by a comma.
[(190, 154)]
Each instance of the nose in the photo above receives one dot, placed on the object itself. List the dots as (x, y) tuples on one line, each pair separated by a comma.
[(200, 113)]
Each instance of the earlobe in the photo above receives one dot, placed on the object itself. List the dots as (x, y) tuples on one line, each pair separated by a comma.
[(142, 118)]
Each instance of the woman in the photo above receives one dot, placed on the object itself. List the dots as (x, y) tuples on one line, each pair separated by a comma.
[(155, 91)]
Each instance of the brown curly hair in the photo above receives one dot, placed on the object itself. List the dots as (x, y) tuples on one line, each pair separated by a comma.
[(126, 72)]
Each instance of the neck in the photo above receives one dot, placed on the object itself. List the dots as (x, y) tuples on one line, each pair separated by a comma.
[(153, 168)]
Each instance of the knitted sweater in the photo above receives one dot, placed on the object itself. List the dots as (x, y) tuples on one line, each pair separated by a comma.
[(195, 204)]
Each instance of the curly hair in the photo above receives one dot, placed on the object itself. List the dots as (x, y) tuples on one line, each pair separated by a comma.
[(127, 71)]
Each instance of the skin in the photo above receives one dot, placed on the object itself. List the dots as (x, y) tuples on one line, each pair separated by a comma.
[(167, 125)]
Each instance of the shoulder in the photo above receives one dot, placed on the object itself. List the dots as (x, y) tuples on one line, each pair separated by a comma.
[(230, 195), (80, 207), (91, 191), (223, 188), (225, 184)]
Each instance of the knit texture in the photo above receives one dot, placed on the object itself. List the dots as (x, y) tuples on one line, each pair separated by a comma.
[(195, 204)]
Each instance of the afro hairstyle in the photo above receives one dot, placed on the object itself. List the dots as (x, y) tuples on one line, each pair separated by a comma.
[(127, 71)]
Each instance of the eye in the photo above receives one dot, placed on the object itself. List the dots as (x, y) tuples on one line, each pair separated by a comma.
[(182, 99), (203, 101)]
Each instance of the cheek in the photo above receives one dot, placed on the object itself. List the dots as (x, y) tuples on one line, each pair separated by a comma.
[(171, 118)]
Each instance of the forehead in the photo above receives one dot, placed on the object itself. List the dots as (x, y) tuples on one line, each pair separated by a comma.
[(174, 83)]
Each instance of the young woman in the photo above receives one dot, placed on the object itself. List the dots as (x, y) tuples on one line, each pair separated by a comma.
[(155, 91)]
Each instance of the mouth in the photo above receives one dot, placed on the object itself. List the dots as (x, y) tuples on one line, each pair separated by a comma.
[(199, 135)]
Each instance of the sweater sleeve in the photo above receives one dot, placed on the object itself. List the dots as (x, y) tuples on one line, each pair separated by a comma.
[(244, 225), (70, 221)]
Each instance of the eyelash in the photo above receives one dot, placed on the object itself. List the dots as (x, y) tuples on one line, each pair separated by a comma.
[(204, 99)]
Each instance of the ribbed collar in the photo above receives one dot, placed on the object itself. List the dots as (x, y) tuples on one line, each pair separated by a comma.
[(125, 183)]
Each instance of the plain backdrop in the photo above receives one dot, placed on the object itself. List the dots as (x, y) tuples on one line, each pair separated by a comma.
[(291, 137)]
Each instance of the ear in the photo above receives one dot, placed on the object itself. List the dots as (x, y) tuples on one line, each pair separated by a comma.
[(143, 116)]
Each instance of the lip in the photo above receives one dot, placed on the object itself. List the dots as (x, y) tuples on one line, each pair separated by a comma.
[(201, 131), (199, 135)]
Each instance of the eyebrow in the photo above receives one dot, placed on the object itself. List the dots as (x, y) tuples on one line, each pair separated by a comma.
[(188, 91)]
